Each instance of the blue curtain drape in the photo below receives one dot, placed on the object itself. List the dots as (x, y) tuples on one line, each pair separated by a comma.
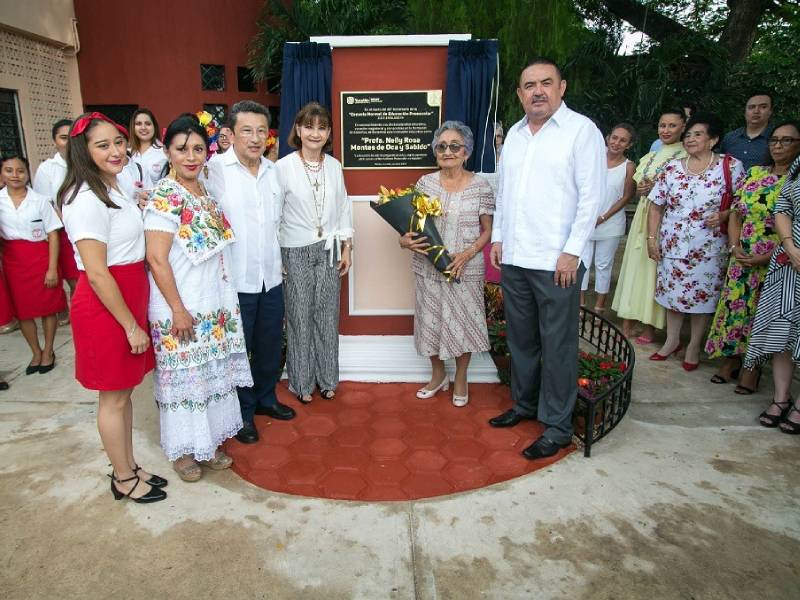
[(471, 73), (306, 77)]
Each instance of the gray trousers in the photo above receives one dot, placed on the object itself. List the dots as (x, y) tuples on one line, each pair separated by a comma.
[(311, 292), (543, 340)]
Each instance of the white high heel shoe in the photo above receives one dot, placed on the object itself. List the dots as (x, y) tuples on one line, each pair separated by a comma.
[(423, 394), (461, 400)]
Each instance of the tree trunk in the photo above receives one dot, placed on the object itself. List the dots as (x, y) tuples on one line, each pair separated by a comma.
[(741, 25), (737, 36)]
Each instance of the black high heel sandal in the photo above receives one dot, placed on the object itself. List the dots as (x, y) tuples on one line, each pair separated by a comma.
[(327, 394), (47, 368), (793, 428), (767, 420), (154, 495), (743, 390), (301, 399), (154, 480)]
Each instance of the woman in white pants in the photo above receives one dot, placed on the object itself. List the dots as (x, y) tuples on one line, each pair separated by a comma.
[(611, 222)]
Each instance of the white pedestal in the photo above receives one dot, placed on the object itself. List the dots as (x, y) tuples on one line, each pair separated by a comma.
[(392, 358)]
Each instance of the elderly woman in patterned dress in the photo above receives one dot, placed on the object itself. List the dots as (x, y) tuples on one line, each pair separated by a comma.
[(684, 237), (449, 317), (752, 239), (776, 327)]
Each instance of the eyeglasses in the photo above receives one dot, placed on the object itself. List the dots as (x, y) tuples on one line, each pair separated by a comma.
[(784, 141), (442, 148)]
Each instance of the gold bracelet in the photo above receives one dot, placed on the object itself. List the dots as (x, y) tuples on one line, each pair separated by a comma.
[(788, 237)]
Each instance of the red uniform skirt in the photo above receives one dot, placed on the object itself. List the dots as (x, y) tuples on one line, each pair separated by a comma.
[(24, 265), (6, 309), (66, 257), (103, 358)]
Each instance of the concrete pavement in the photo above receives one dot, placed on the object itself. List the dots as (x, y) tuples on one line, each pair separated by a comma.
[(688, 498)]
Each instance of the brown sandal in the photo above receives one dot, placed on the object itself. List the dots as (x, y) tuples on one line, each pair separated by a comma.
[(189, 472), (220, 461)]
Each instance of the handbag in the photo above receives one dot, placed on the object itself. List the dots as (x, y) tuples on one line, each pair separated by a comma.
[(727, 195)]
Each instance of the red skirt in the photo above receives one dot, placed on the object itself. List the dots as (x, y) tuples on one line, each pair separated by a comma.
[(103, 358), (6, 309), (25, 265), (66, 257)]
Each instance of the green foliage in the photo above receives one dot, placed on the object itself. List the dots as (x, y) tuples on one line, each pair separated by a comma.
[(584, 37), (525, 28), (297, 20)]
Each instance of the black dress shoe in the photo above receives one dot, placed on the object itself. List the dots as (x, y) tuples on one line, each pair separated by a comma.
[(508, 419), (277, 411), (247, 434), (542, 448)]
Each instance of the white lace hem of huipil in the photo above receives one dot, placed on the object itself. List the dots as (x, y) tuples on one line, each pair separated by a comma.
[(199, 406)]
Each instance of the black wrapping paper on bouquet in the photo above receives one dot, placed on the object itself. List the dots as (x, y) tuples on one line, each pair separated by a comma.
[(409, 210)]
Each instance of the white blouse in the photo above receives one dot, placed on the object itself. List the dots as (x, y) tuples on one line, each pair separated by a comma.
[(152, 161), (120, 229), (299, 215), (49, 177), (130, 176), (31, 221)]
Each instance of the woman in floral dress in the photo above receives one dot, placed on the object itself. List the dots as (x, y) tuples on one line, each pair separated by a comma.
[(752, 239), (194, 312), (684, 237)]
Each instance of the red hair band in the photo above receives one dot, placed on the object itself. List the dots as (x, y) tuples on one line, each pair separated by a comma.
[(81, 124)]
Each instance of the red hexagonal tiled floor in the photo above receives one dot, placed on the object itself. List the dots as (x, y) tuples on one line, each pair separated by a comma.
[(379, 442)]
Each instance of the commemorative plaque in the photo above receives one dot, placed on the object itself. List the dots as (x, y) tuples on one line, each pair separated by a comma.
[(389, 130)]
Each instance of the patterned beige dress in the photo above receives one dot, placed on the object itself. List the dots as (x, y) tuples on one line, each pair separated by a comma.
[(450, 318)]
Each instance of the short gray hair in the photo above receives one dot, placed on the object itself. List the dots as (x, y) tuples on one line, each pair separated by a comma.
[(246, 106), (463, 130)]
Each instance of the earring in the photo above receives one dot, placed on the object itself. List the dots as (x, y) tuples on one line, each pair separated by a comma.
[(171, 171), (205, 171)]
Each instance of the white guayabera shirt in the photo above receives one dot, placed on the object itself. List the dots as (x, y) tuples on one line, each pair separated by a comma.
[(552, 186)]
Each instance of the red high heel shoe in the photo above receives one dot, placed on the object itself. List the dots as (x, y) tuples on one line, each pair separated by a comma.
[(687, 366), (657, 356)]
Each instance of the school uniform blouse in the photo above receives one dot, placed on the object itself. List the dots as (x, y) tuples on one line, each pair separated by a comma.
[(120, 229), (49, 177), (152, 161), (299, 217), (32, 221)]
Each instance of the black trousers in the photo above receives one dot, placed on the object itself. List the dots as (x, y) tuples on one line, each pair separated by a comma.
[(262, 321), (542, 337)]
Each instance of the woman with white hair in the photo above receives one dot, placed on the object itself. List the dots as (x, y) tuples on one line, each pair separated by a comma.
[(449, 317)]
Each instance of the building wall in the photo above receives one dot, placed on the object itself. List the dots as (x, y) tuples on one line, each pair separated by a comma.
[(148, 53), (37, 61)]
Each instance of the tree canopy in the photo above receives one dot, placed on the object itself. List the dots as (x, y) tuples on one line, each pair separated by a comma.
[(709, 52)]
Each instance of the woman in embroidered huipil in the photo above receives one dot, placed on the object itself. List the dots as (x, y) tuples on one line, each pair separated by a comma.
[(684, 236), (752, 238), (194, 312)]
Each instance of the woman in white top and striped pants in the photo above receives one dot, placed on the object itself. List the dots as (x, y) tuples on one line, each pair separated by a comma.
[(316, 240)]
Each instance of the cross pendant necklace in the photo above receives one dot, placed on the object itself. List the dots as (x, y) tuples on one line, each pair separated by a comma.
[(315, 185)]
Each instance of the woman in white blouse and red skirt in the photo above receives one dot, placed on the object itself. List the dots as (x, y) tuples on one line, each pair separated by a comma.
[(109, 307), (29, 227)]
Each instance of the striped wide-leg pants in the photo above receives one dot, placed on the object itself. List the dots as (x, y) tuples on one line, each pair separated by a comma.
[(311, 292)]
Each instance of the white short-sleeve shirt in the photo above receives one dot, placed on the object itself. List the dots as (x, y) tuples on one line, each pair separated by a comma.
[(152, 161), (31, 221), (49, 177), (120, 229)]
